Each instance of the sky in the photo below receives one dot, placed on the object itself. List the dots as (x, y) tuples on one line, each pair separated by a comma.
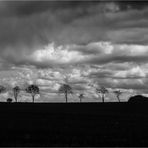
[(87, 44)]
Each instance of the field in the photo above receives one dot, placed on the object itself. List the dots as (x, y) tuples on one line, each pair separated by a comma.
[(74, 124)]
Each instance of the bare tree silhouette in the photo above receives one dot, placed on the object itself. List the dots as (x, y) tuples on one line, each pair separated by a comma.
[(33, 90), (65, 89), (16, 91), (81, 96), (103, 91), (118, 93)]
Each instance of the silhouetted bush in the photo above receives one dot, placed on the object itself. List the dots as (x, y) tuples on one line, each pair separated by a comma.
[(9, 100), (138, 98)]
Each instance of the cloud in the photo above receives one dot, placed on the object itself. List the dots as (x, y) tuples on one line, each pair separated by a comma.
[(119, 53), (101, 59), (45, 42), (51, 54), (32, 25), (64, 23), (135, 72), (97, 53)]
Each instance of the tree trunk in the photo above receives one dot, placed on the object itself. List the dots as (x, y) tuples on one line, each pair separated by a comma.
[(15, 97), (33, 98), (103, 98), (80, 100), (118, 98), (66, 97)]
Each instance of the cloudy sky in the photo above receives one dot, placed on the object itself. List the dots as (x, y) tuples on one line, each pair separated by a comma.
[(104, 43)]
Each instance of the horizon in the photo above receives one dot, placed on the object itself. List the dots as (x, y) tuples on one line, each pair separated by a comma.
[(48, 43)]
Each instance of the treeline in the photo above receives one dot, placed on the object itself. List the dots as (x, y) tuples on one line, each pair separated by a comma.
[(65, 89), (31, 89)]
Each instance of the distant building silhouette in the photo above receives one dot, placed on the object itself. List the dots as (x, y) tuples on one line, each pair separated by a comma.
[(138, 98)]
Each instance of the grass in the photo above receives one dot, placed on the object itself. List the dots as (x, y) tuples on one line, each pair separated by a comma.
[(73, 124)]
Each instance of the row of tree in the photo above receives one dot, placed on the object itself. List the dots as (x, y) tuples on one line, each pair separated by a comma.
[(65, 89), (102, 90), (32, 89)]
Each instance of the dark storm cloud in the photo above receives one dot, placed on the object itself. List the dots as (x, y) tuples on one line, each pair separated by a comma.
[(118, 66), (25, 8), (30, 7), (124, 5), (30, 25), (117, 59), (36, 23), (101, 74), (131, 85)]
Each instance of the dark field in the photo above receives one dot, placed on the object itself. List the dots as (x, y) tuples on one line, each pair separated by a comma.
[(74, 124)]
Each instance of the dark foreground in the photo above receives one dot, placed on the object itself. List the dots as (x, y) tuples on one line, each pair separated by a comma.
[(74, 124)]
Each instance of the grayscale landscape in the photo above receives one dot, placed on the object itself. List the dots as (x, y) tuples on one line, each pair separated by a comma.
[(73, 73)]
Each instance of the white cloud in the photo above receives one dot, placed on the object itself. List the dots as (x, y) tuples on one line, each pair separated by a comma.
[(92, 53), (110, 73), (132, 50), (133, 72), (60, 54)]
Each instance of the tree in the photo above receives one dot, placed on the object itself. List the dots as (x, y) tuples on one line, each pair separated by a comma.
[(118, 93), (103, 91), (16, 91), (65, 89), (81, 96), (33, 90)]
